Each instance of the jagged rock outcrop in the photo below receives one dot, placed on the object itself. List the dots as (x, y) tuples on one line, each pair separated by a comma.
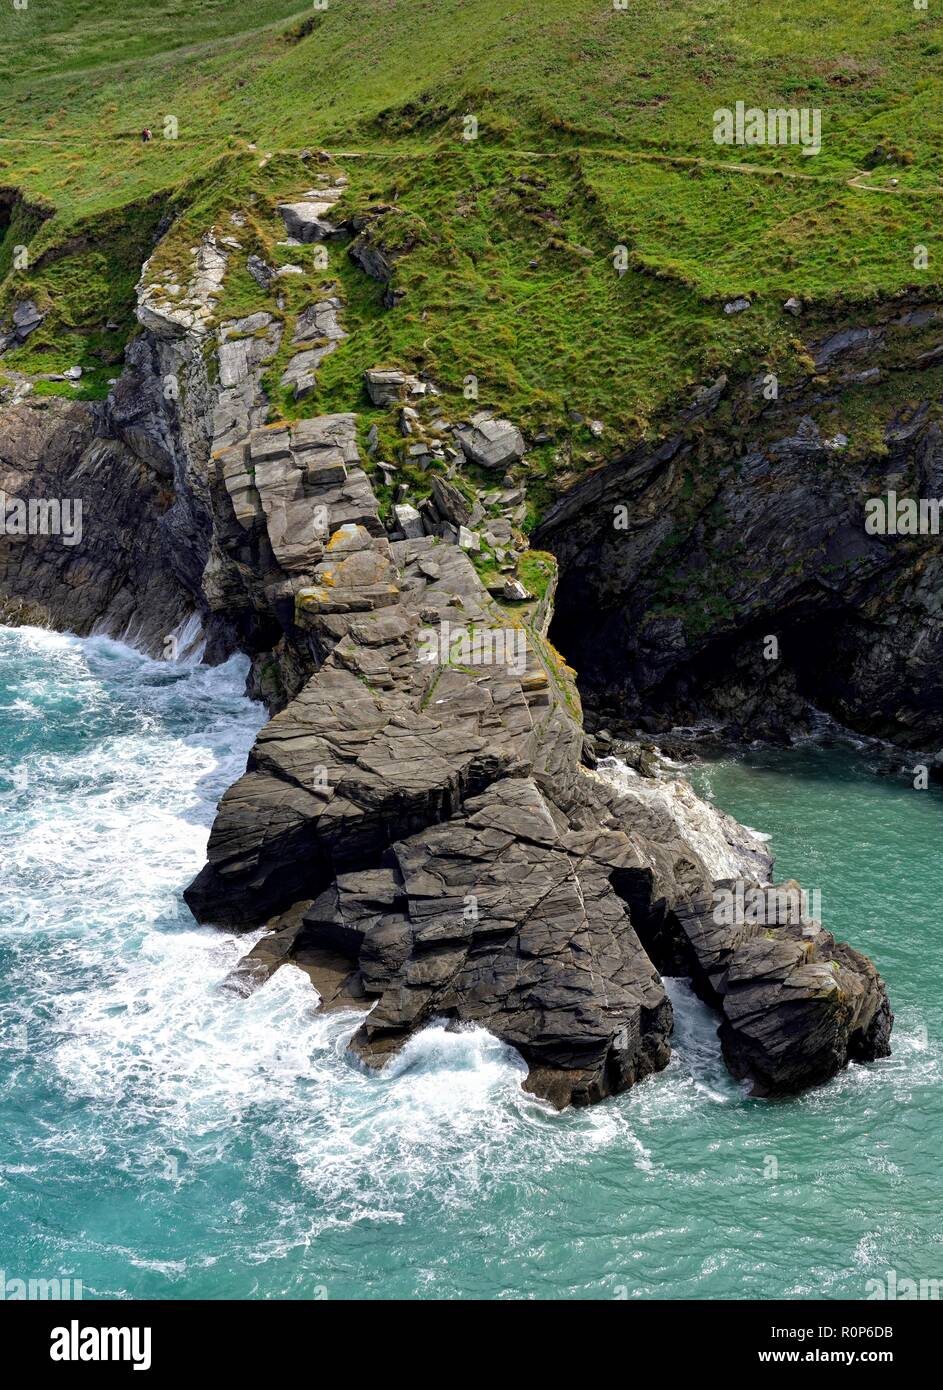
[(154, 475), (168, 309), (410, 799), (190, 392), (279, 495), (317, 330), (796, 1005), (416, 822), (136, 466), (679, 560), (420, 810)]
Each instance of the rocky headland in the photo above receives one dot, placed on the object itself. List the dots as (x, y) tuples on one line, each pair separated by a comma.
[(423, 824)]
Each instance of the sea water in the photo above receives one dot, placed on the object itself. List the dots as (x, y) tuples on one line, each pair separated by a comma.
[(162, 1137)]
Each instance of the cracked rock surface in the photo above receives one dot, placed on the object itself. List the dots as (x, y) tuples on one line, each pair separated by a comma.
[(417, 825), (796, 1005)]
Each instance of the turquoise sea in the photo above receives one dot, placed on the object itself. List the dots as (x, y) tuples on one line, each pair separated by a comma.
[(163, 1138)]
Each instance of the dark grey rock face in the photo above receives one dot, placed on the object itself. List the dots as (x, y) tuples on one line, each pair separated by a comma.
[(678, 562), (495, 918), (796, 1005), (119, 575)]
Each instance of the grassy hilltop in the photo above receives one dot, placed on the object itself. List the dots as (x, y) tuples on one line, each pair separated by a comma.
[(594, 130)]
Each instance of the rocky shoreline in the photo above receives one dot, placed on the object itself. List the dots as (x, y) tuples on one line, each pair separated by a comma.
[(422, 824)]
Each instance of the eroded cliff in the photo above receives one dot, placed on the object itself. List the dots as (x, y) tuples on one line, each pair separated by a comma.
[(680, 561), (421, 824)]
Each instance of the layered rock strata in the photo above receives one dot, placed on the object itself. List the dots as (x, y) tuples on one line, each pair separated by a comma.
[(679, 561), (420, 810)]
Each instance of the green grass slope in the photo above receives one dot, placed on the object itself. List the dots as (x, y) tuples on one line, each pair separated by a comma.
[(595, 129)]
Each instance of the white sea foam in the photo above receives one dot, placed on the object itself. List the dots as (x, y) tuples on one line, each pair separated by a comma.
[(240, 1135), (728, 850), (125, 991), (187, 1072), (695, 1044)]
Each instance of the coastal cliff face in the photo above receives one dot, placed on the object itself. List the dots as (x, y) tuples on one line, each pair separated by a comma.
[(119, 569), (422, 824), (680, 561)]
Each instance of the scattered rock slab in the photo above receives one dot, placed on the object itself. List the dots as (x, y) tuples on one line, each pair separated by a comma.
[(408, 520), (307, 221), (449, 502), (490, 443), (386, 386)]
